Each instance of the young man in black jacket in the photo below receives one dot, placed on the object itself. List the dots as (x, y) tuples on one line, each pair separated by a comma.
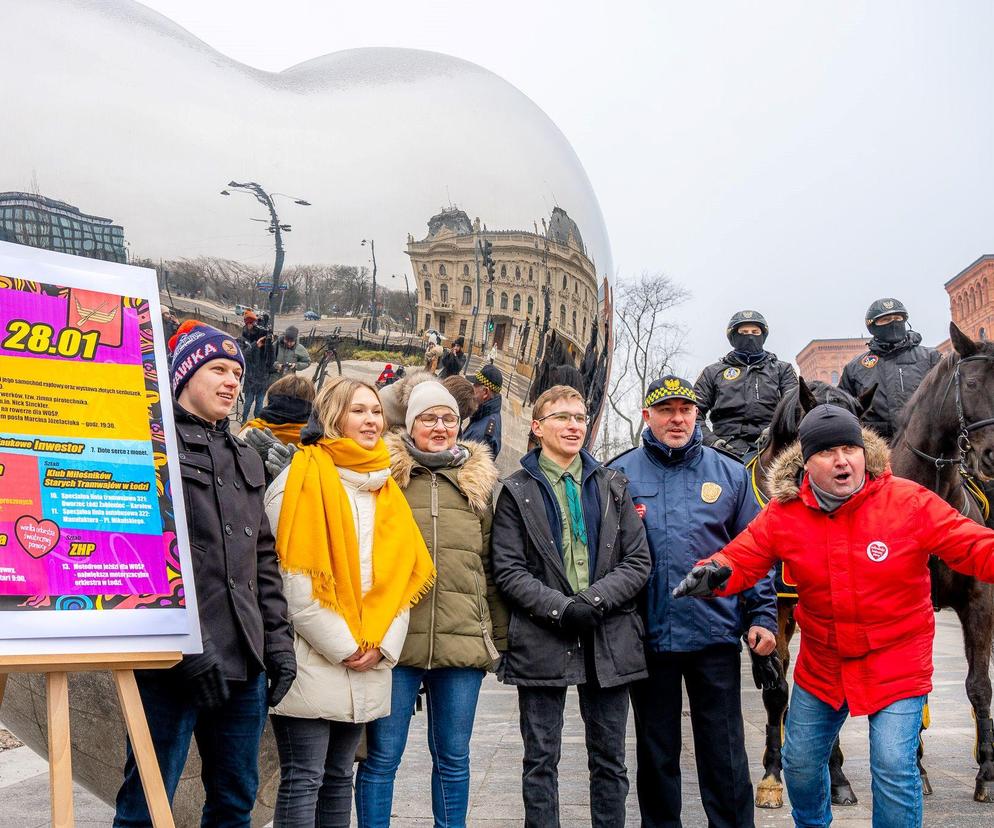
[(222, 695), (569, 555)]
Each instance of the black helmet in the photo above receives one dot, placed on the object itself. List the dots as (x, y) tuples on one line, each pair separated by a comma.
[(884, 307), (747, 317)]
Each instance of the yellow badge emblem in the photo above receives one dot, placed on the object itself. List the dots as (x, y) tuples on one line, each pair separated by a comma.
[(731, 373), (672, 384), (710, 492)]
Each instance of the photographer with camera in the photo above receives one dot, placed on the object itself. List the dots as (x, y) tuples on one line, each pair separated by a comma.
[(291, 355)]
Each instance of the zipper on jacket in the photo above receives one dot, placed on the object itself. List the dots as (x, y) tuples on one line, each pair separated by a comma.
[(434, 560), (900, 373), (757, 389), (488, 640)]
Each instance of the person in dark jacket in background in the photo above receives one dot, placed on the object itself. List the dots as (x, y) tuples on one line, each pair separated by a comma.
[(257, 348), (741, 390), (220, 696), (895, 361), (691, 497), (454, 360), (485, 424), (569, 555)]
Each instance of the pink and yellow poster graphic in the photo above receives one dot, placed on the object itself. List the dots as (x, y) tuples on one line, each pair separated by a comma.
[(86, 518)]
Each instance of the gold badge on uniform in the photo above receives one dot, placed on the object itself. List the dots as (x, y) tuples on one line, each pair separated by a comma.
[(731, 373), (710, 492)]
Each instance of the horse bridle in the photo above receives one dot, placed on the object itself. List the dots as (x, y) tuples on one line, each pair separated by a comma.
[(963, 445)]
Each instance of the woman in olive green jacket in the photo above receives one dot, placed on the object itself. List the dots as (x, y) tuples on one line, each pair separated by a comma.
[(457, 630)]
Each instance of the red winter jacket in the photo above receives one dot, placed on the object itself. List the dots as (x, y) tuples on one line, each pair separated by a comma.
[(864, 606)]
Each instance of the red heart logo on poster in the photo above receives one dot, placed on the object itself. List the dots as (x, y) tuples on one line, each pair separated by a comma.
[(37, 537)]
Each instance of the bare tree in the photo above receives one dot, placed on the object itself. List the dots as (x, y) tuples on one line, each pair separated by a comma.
[(647, 342)]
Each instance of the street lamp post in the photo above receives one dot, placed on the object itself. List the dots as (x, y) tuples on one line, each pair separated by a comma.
[(372, 249), (276, 229), (407, 296), (476, 308)]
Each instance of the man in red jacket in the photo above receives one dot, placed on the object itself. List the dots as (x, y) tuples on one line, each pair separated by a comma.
[(857, 541)]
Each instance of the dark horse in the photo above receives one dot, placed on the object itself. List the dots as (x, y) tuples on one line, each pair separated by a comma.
[(783, 433), (946, 443)]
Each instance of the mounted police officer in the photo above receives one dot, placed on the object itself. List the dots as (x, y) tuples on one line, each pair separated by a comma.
[(895, 361), (741, 390), (484, 425)]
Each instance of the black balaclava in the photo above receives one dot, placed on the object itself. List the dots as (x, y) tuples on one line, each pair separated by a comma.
[(747, 346), (891, 333)]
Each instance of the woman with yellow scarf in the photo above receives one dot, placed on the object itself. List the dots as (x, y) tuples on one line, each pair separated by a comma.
[(353, 564)]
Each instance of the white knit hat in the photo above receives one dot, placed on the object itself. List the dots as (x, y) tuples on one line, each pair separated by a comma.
[(427, 395)]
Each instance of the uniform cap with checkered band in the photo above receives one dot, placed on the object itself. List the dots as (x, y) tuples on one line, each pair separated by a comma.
[(670, 387)]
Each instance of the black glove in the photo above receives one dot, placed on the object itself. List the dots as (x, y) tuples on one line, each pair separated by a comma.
[(203, 679), (580, 617), (281, 670), (702, 581), (767, 670)]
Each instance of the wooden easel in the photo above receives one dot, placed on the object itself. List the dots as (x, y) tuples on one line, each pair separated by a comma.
[(122, 665)]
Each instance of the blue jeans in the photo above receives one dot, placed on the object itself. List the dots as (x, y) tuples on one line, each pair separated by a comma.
[(227, 738), (452, 693), (255, 397), (811, 729)]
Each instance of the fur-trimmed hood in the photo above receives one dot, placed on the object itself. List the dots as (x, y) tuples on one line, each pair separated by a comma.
[(784, 480), (476, 478)]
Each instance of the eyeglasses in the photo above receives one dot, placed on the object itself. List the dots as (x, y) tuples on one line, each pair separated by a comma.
[(431, 420), (563, 417)]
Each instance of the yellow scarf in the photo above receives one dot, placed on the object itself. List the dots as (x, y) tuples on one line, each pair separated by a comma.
[(316, 536), (286, 433)]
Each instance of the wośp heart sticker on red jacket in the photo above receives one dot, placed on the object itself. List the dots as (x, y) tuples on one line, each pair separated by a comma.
[(37, 537)]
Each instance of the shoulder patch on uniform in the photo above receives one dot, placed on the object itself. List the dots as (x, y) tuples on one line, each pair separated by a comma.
[(869, 361), (732, 373)]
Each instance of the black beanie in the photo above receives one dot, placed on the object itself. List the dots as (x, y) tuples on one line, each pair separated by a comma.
[(828, 426)]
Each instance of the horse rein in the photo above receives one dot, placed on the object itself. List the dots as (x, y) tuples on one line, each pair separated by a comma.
[(963, 445), (754, 466)]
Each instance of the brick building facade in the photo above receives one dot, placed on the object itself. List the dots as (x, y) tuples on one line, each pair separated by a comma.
[(824, 359), (970, 304)]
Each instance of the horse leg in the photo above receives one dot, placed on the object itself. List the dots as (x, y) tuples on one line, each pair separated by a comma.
[(977, 618), (842, 792), (769, 792)]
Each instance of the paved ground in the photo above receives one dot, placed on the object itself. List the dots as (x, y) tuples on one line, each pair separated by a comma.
[(496, 757)]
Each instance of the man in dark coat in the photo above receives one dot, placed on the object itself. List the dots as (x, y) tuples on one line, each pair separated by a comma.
[(691, 497), (454, 360), (741, 390), (257, 348), (485, 424), (895, 361), (569, 555), (221, 696)]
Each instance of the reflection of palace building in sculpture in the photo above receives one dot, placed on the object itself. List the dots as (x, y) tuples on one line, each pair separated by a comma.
[(528, 267), (43, 222)]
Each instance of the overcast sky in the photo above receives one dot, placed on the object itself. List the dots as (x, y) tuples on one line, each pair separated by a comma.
[(799, 158)]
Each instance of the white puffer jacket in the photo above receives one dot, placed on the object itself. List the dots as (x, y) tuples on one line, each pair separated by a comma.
[(324, 689)]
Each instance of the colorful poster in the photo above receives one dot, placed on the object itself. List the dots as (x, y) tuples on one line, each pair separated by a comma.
[(89, 541)]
